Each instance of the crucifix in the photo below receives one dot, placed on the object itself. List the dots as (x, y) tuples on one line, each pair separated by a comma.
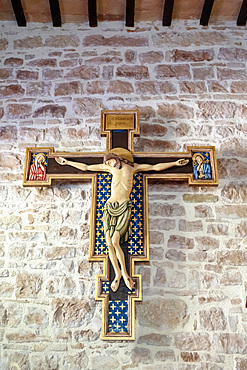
[(119, 211)]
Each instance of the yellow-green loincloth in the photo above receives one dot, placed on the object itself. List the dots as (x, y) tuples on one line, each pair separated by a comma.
[(117, 218)]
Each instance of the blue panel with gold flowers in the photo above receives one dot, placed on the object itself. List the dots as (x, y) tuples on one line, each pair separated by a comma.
[(135, 242), (118, 317)]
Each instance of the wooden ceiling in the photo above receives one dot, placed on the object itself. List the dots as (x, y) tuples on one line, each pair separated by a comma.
[(59, 12)]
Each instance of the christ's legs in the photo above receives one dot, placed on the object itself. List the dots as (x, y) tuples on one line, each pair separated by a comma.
[(120, 256), (114, 261)]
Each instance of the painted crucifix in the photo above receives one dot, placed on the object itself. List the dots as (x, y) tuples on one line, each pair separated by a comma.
[(119, 212)]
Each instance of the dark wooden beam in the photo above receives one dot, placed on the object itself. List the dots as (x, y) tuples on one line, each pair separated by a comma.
[(242, 17), (19, 13), (92, 13), (55, 13), (130, 13), (167, 15), (206, 12)]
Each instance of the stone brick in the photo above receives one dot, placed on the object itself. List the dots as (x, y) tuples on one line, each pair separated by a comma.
[(73, 312), (180, 242), (86, 106), (163, 313), (27, 75), (190, 226), (212, 319), (99, 40), (6, 73), (166, 210), (43, 62), (21, 111), (68, 88), (175, 111), (233, 54), (3, 44), (106, 362), (190, 356), (153, 129), (232, 211), (240, 364), (230, 343), (28, 43), (211, 109), (52, 74), (62, 41), (68, 63), (203, 73), (151, 57), (38, 88), (232, 258), (231, 277), (23, 337), (153, 87), (179, 71), (8, 133), (130, 56), (241, 229), (231, 168), (86, 335), (192, 341), (136, 72), (6, 289), (1, 112), (120, 87), (50, 111), (84, 73), (28, 285), (107, 73), (218, 86), (58, 253), (167, 355), (188, 38), (29, 134), (200, 198), (154, 339), (140, 355), (203, 211), (36, 318), (218, 229), (202, 55), (13, 62), (174, 255), (239, 87), (177, 280), (11, 161), (104, 60), (147, 145), (230, 74), (188, 87), (160, 277), (11, 91)]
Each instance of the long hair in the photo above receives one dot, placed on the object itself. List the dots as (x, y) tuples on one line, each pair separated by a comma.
[(119, 160)]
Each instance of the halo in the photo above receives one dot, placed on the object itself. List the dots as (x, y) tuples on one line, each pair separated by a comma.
[(122, 153), (197, 155)]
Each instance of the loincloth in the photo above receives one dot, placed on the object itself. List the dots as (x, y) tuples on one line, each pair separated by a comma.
[(117, 218)]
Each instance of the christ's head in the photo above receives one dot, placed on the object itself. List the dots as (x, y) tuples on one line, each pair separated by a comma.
[(117, 156)]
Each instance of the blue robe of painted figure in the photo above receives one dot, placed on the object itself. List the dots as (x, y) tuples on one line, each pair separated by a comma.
[(206, 170)]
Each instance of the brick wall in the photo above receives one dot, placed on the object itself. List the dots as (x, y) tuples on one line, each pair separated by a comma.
[(189, 84)]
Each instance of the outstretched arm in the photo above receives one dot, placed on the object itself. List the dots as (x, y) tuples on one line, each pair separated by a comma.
[(160, 166), (81, 166)]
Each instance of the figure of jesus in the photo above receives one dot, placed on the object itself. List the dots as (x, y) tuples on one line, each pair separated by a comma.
[(117, 212)]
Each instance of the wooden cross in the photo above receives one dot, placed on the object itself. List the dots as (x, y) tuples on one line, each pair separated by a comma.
[(42, 166)]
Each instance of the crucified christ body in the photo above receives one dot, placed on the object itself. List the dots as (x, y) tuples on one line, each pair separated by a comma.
[(117, 212)]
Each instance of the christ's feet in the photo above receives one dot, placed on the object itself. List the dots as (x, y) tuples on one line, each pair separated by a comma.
[(128, 282), (115, 283)]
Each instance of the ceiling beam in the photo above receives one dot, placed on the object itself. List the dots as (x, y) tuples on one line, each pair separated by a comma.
[(55, 13), (242, 17), (130, 13), (92, 13), (206, 12), (167, 14), (19, 13)]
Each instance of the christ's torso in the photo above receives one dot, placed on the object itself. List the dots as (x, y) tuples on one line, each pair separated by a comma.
[(122, 182)]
